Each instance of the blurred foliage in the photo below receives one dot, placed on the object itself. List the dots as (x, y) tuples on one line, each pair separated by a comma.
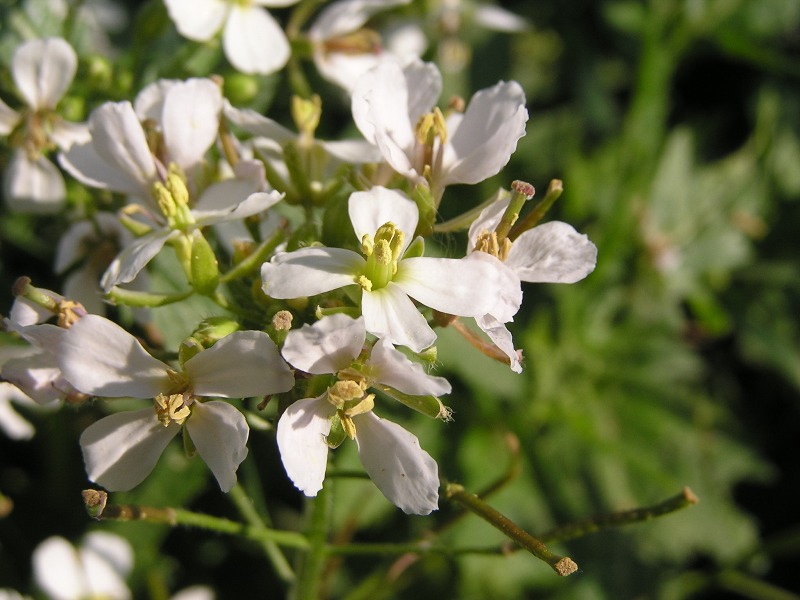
[(675, 126)]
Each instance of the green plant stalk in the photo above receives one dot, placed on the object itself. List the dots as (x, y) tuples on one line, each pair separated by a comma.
[(249, 513), (312, 569), (254, 261), (562, 565), (98, 508), (637, 515)]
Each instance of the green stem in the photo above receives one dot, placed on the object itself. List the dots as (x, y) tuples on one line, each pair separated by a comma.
[(464, 220), (255, 259), (554, 190), (248, 511), (750, 587), (636, 515), (98, 508), (562, 565), (312, 567)]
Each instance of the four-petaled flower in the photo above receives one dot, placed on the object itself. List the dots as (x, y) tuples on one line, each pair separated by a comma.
[(392, 456), (384, 222), (100, 358)]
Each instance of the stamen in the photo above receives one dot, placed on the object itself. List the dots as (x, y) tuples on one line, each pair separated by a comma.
[(171, 408)]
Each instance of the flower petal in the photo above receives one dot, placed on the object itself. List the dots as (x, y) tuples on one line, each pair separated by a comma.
[(118, 138), (380, 108), (190, 120), (57, 569), (501, 337), (127, 265), (482, 140), (120, 450), (257, 124), (246, 206), (107, 560), (509, 291), (83, 235), (83, 162), (240, 365), (219, 432), (38, 376), (8, 118), (394, 460), (552, 253), (347, 16), (34, 186), (327, 346), (99, 357), (43, 70), (197, 20), (254, 42), (464, 287), (301, 434), (310, 271), (390, 312), (352, 151), (378, 206), (389, 366)]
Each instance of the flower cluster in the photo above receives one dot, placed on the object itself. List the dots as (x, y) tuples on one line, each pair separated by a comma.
[(316, 253)]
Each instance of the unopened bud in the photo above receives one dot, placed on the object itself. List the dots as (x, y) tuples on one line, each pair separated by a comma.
[(205, 268)]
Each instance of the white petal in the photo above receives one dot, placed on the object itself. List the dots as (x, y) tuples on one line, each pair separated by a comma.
[(219, 432), (552, 253), (197, 20), (257, 124), (191, 120), (149, 102), (194, 592), (380, 108), (83, 162), (34, 186), (254, 42), (301, 434), (391, 367), (394, 460), (347, 16), (12, 424), (57, 569), (8, 118), (501, 337), (246, 206), (488, 219), (344, 69), (107, 560), (240, 365), (378, 206), (43, 70), (468, 288), (65, 134), (119, 140), (82, 285), (508, 297), (499, 19), (99, 357), (74, 244), (24, 312), (275, 3), (486, 136), (327, 346), (424, 84), (38, 376), (352, 151), (127, 265), (310, 271), (390, 312), (120, 450)]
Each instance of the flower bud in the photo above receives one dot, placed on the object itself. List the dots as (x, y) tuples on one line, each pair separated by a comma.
[(205, 269)]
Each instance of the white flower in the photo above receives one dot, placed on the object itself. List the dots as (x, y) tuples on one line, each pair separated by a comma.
[(393, 107), (96, 569), (34, 369), (343, 50), (117, 157), (42, 70), (392, 456), (221, 202), (384, 222), (252, 39), (549, 253), (100, 358)]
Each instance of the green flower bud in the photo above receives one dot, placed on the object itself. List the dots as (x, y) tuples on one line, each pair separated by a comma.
[(205, 268)]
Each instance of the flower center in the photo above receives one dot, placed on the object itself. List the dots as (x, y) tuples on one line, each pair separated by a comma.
[(431, 135), (172, 408), (172, 197), (488, 243), (383, 253)]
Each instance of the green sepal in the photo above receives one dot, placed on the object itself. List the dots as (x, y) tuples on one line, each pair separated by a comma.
[(205, 268), (188, 445), (337, 434), (137, 299), (337, 230), (430, 406), (415, 248), (212, 329), (189, 348), (421, 195)]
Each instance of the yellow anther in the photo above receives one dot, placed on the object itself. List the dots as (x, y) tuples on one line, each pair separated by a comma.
[(171, 408), (364, 282), (342, 392), (177, 188), (367, 245), (69, 313)]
